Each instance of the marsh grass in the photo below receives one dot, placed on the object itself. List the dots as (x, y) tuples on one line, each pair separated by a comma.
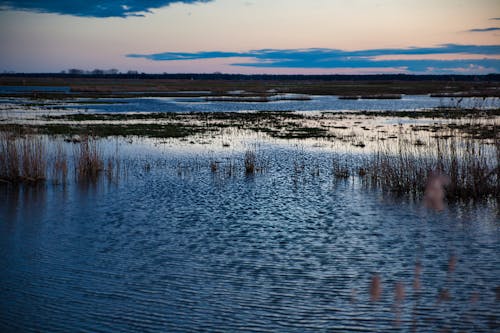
[(250, 162), (470, 167), (60, 169), (88, 159), (9, 158), (342, 166), (22, 159)]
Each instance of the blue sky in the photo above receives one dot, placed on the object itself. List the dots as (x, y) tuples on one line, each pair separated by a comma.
[(252, 36)]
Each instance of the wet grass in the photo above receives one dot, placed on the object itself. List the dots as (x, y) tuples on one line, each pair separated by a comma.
[(445, 113), (108, 130), (284, 125)]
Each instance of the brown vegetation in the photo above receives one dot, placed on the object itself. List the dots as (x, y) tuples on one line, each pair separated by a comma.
[(88, 159), (22, 159), (470, 167)]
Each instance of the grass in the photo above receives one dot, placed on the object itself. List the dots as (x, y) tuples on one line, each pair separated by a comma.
[(105, 87), (108, 130), (27, 158), (22, 159), (250, 162), (60, 170), (88, 159), (446, 113), (341, 167), (470, 168)]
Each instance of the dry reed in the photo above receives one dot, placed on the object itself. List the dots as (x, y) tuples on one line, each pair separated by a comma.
[(60, 171), (470, 167), (250, 162), (88, 159), (22, 159)]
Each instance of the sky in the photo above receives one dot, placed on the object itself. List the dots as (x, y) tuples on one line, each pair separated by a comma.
[(252, 36)]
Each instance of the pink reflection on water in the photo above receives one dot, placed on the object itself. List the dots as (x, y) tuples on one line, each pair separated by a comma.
[(435, 191), (375, 288)]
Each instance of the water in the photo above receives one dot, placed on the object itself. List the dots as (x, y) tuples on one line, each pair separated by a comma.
[(24, 89), (177, 248), (317, 103), (200, 104)]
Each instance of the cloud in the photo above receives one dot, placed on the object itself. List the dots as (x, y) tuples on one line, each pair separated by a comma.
[(487, 57), (484, 29), (91, 8)]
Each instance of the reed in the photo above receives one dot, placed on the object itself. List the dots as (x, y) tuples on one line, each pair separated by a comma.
[(250, 162), (9, 158), (22, 159), (88, 159), (60, 171), (34, 159), (341, 166), (467, 169)]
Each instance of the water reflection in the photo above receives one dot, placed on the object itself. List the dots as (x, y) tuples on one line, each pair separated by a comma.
[(179, 247)]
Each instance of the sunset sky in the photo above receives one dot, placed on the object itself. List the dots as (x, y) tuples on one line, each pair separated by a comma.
[(252, 36)]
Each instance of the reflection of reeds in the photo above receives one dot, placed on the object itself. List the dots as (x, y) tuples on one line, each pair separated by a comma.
[(443, 295), (88, 159), (375, 288)]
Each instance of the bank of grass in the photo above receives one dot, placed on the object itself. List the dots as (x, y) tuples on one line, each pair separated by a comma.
[(444, 113), (471, 169), (108, 130), (29, 159), (173, 125), (282, 124), (91, 87), (22, 159), (89, 162)]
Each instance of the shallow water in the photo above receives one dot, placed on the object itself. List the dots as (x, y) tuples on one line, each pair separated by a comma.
[(317, 103), (175, 247), (19, 106), (24, 89)]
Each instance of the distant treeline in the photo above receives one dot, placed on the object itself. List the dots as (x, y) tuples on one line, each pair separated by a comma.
[(264, 77)]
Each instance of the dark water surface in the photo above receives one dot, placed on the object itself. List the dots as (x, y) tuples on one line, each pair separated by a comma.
[(24, 89), (200, 104), (176, 248), (317, 103)]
